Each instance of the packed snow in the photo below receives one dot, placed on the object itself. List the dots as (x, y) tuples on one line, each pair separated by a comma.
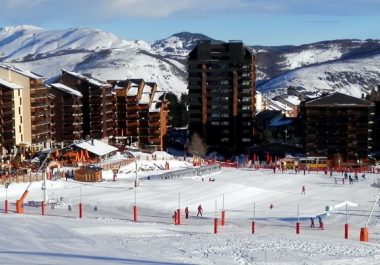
[(107, 233)]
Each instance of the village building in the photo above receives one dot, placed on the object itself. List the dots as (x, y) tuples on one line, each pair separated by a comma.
[(338, 124), (141, 114), (24, 112), (96, 101), (222, 90)]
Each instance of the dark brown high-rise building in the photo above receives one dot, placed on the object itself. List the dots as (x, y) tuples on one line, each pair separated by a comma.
[(222, 89), (67, 117), (97, 104), (338, 124)]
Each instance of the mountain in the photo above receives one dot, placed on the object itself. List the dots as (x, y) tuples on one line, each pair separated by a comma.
[(101, 54), (350, 66)]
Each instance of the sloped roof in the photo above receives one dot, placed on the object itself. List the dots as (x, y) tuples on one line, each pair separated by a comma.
[(9, 85), (23, 72), (97, 147), (337, 99), (92, 81), (66, 89)]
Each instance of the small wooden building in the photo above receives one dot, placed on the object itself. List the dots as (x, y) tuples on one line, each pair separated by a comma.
[(88, 174)]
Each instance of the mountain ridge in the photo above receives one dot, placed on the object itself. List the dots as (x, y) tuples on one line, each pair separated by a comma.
[(106, 56)]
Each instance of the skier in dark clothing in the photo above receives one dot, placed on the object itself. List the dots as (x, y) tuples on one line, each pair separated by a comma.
[(312, 222), (187, 212), (200, 210)]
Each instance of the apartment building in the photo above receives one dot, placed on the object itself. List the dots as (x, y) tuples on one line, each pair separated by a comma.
[(141, 113), (24, 111), (97, 104), (67, 116), (221, 85), (338, 124)]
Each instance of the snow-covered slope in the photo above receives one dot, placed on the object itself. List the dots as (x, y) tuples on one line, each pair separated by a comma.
[(351, 66), (351, 77), (92, 51)]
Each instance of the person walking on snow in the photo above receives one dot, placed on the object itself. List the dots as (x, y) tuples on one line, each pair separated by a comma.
[(312, 222), (303, 190), (187, 212), (200, 210)]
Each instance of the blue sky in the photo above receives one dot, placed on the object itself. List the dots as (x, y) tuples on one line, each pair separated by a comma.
[(256, 22)]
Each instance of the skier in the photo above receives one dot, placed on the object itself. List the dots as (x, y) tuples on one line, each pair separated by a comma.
[(271, 206), (312, 222), (320, 221), (187, 212), (303, 190), (174, 217), (200, 210)]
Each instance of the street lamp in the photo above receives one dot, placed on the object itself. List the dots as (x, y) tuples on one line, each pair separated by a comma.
[(136, 178)]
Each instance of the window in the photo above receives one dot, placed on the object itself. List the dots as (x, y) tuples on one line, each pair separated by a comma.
[(245, 82), (224, 82), (19, 110), (19, 128), (20, 119), (20, 101)]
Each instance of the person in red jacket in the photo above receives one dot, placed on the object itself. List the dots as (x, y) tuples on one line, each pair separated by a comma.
[(187, 212), (200, 210)]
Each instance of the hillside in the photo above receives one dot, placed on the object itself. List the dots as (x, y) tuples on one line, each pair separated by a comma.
[(350, 66)]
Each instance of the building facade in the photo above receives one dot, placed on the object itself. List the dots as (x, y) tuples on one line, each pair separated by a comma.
[(97, 104), (374, 97), (221, 85), (141, 113), (24, 111), (67, 116), (338, 124)]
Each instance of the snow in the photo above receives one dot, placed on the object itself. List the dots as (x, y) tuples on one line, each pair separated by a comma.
[(9, 84), (311, 56), (339, 76), (81, 50), (97, 147), (67, 89), (109, 235)]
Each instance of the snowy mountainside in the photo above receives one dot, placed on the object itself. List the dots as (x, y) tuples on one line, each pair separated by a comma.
[(352, 77), (92, 51), (348, 65)]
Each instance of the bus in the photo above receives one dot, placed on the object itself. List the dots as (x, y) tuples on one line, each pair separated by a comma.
[(313, 162)]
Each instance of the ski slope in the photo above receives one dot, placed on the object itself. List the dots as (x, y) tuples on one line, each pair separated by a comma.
[(109, 235)]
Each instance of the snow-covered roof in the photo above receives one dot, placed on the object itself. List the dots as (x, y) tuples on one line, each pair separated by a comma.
[(23, 72), (293, 100), (133, 90), (155, 107), (97, 147), (66, 89), (88, 79), (9, 85), (279, 106), (145, 96)]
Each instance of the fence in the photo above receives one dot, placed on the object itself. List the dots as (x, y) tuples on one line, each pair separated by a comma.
[(183, 173)]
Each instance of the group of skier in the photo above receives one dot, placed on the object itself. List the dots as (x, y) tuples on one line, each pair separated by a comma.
[(200, 212)]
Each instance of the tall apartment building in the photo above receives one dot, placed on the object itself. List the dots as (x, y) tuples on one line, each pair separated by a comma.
[(66, 110), (24, 111), (141, 113), (222, 89), (338, 124), (97, 104)]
